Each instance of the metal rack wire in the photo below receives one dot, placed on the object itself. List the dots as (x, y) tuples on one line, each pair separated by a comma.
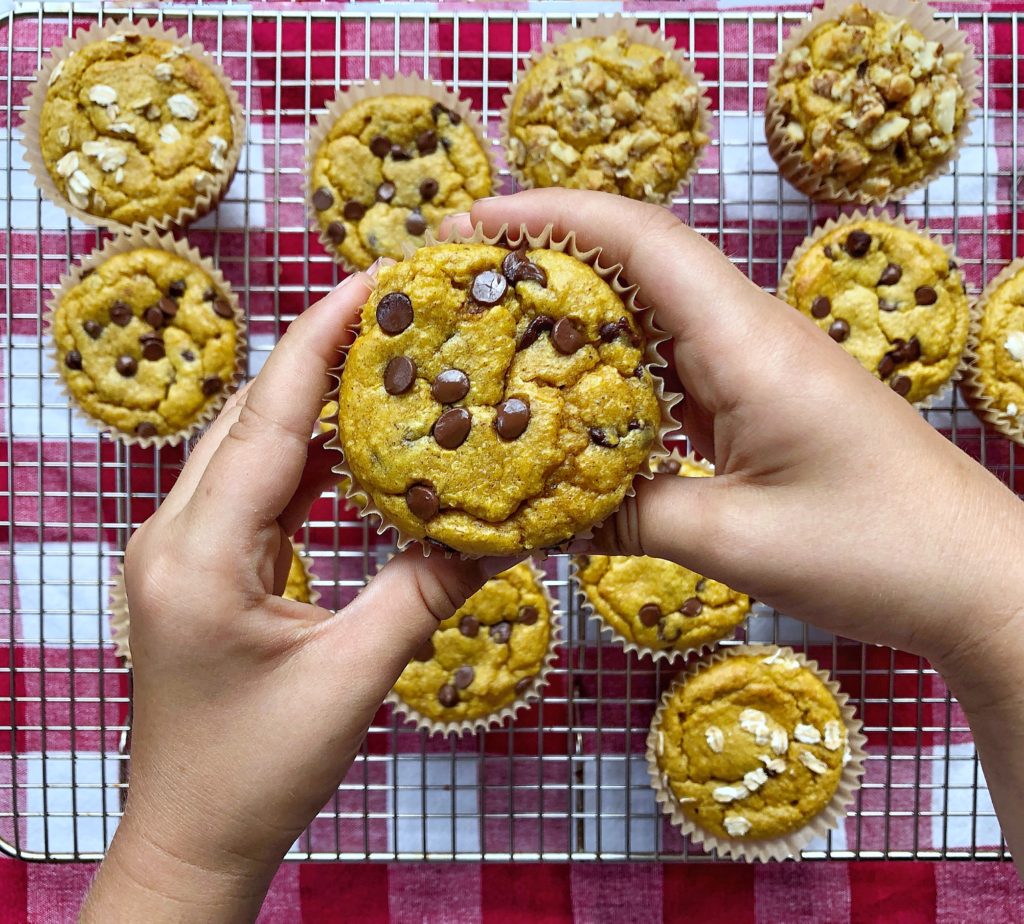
[(567, 780)]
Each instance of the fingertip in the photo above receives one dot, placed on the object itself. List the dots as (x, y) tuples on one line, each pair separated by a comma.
[(458, 223)]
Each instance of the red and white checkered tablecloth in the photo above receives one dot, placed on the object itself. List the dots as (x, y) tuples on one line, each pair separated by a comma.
[(60, 474)]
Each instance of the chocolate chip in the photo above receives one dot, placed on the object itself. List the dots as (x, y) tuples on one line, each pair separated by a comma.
[(638, 372), (336, 232), (858, 243), (450, 386), (464, 677), (489, 287), (925, 295), (177, 288), (73, 360), (437, 110), (153, 350), (608, 332), (517, 268), (188, 356), (394, 312), (425, 652), (452, 428), (126, 366), (222, 308), (821, 307), (523, 684), (94, 328), (152, 112), (650, 614), (900, 385), (912, 351), (154, 317), (426, 142), (209, 295), (428, 189), (501, 632), (212, 386), (669, 466), (353, 210), (528, 615), (386, 191), (566, 336), (380, 146), (454, 117), (828, 252), (146, 429), (512, 418), (168, 307), (539, 325), (469, 627), (415, 223), (399, 374), (600, 437), (891, 275), (887, 304), (397, 153), (422, 501), (691, 607), (886, 366), (121, 313), (839, 330), (448, 696), (323, 199)]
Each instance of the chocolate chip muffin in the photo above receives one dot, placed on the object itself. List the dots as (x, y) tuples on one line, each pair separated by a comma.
[(614, 113), (871, 106), (389, 168), (299, 583), (133, 127), (750, 746), (147, 343), (888, 295), (496, 401), (480, 662)]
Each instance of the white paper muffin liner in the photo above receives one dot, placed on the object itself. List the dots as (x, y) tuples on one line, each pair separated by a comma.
[(219, 182), (874, 214), (788, 155), (409, 713), (364, 504), (763, 849), (602, 28), (970, 385), (399, 85), (120, 618), (136, 239)]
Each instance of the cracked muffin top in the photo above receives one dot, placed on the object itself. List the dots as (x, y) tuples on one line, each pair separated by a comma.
[(891, 297), (752, 747), (133, 127), (485, 656), (391, 167), (496, 401), (608, 114), (872, 104), (146, 343)]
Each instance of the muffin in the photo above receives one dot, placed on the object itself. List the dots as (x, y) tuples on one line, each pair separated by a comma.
[(754, 753), (146, 338), (620, 112), (889, 295), (132, 126), (496, 401), (486, 660), (657, 607), (865, 105), (994, 377), (385, 168)]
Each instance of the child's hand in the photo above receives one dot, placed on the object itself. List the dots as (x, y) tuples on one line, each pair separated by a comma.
[(249, 708)]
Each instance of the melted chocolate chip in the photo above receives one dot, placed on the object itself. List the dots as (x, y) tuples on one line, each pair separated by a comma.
[(691, 607), (600, 437), (450, 386), (539, 325), (523, 684), (512, 418), (821, 307), (212, 386), (566, 336), (353, 210), (528, 615), (911, 352), (399, 374), (828, 252), (153, 350), (386, 191), (126, 366), (121, 313), (488, 288), (209, 295), (839, 330), (169, 306), (464, 677), (925, 295), (858, 243), (336, 232), (398, 153), (188, 356), (222, 308), (422, 501), (650, 614), (517, 269), (425, 652), (437, 110), (73, 359), (886, 366), (415, 223), (154, 317), (94, 328), (177, 288), (448, 696), (501, 632), (452, 428), (145, 429), (426, 142), (394, 312), (669, 466), (891, 275), (901, 385), (428, 189), (469, 627), (380, 146)]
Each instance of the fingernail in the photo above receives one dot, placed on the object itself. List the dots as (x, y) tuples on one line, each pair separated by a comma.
[(486, 199)]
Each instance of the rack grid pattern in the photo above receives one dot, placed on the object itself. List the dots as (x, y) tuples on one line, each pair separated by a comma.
[(567, 780)]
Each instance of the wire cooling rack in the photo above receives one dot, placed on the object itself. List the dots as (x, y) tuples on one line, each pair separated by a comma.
[(567, 779)]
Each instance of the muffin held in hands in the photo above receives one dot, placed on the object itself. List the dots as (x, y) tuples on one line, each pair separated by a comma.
[(865, 106), (497, 401), (486, 660), (889, 295)]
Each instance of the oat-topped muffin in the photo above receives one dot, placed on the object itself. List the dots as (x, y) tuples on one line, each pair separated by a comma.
[(389, 168), (484, 658), (610, 114), (496, 401), (890, 296), (133, 127), (873, 105), (751, 747), (146, 343)]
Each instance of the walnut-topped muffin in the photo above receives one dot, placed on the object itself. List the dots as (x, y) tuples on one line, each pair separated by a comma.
[(496, 401)]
